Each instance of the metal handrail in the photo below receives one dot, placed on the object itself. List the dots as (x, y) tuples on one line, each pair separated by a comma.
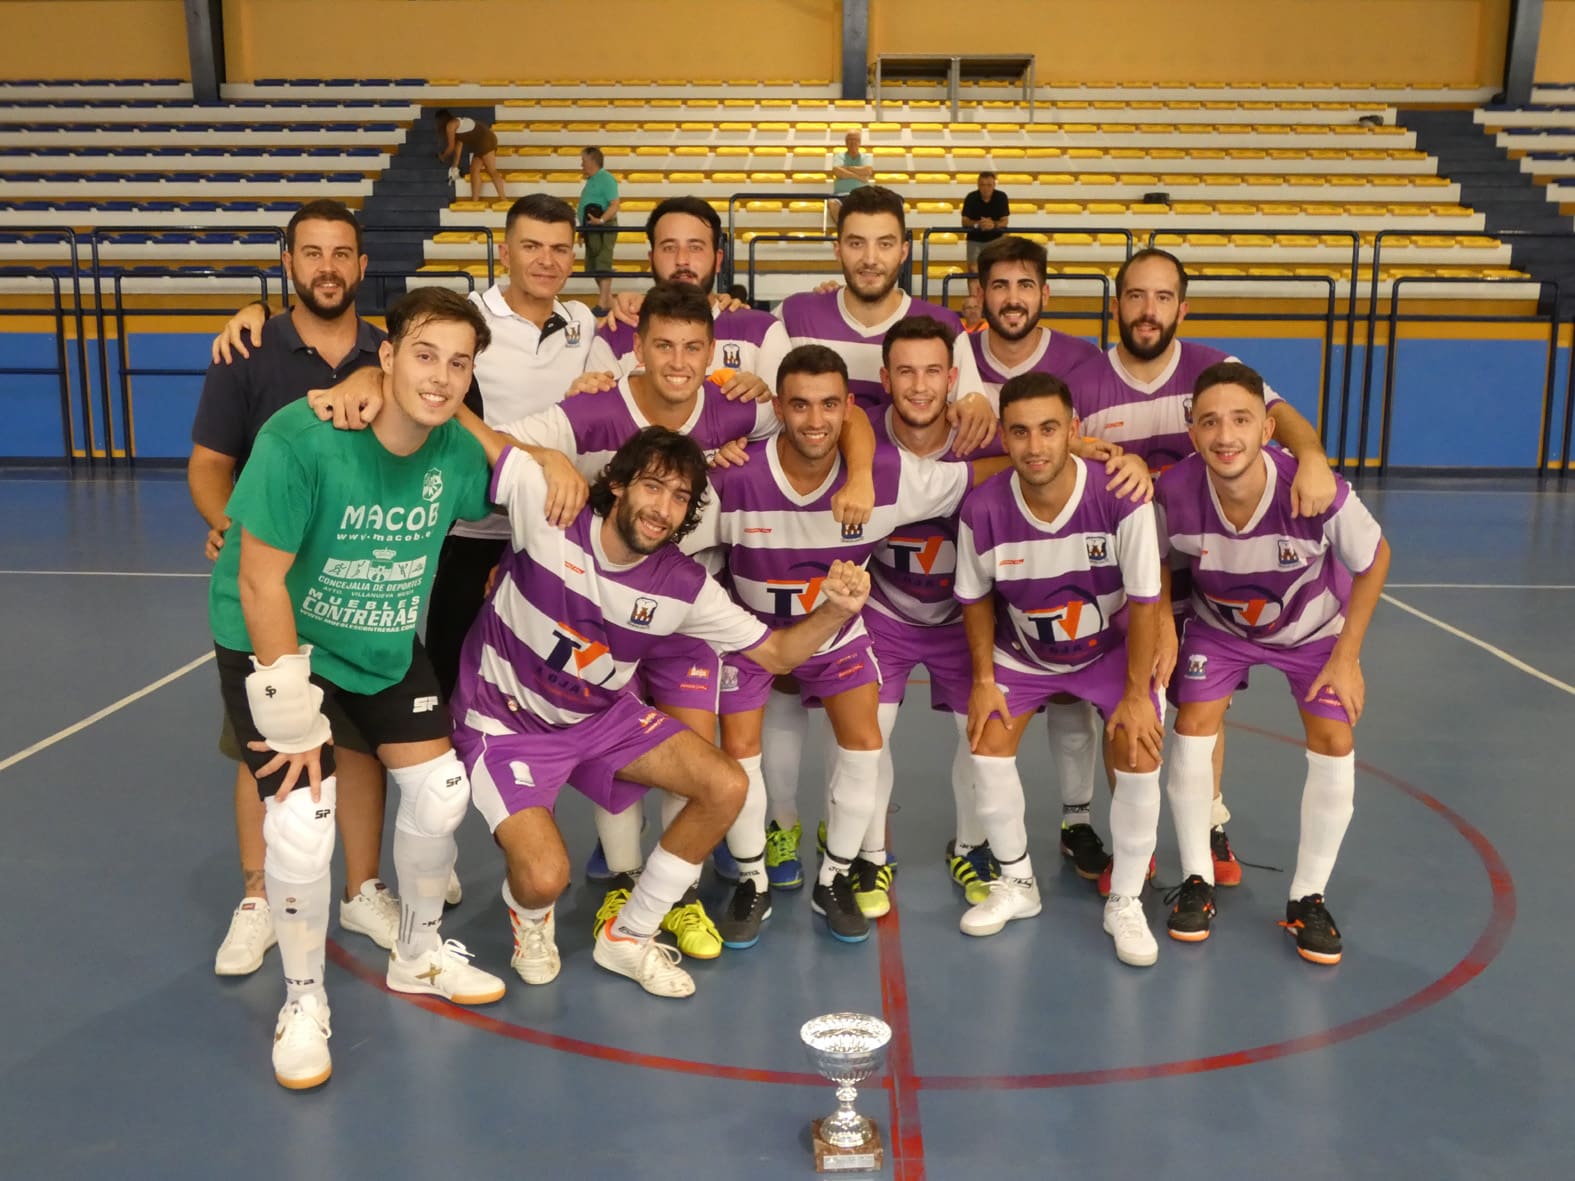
[(70, 238)]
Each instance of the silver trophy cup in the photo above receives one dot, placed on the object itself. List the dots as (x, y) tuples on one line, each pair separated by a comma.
[(846, 1048)]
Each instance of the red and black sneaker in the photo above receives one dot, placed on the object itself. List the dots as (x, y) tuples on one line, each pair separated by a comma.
[(1104, 878), (1192, 910), (1227, 870), (1317, 938)]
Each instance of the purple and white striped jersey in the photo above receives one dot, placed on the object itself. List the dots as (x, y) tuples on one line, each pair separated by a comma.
[(1061, 584), (912, 571), (1271, 582), (746, 339), (815, 317), (1149, 419), (780, 542), (565, 628), (588, 428), (1057, 353)]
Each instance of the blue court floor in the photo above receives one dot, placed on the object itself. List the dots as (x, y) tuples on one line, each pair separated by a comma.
[(1441, 1048)]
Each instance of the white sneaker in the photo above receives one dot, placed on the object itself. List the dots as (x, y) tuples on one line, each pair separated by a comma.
[(1010, 898), (455, 894), (653, 965), (535, 949), (446, 972), (373, 912), (300, 1045), (1128, 926), (247, 941)]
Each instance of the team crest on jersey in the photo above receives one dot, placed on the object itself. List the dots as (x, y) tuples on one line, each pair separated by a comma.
[(1197, 667), (729, 679), (1098, 548), (853, 533), (1289, 555), (732, 356), (1186, 409), (643, 612), (571, 335), (432, 484)]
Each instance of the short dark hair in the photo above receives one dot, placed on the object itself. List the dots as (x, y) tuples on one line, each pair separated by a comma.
[(1026, 386), (322, 209), (694, 207), (659, 452), (676, 301), (915, 328), (539, 207), (422, 304), (1014, 248), (442, 115), (1229, 373), (811, 360), (1144, 255), (872, 199), (595, 154), (987, 175)]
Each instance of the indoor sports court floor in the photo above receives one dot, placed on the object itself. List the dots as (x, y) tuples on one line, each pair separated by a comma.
[(1440, 1048)]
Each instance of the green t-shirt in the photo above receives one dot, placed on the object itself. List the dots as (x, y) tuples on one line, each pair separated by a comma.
[(365, 527), (846, 184), (600, 189)]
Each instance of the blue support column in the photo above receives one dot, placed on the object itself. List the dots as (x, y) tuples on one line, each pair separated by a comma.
[(1520, 50), (855, 48), (205, 45)]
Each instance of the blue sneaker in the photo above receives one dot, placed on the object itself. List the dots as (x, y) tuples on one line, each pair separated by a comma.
[(784, 870), (596, 866), (723, 864)]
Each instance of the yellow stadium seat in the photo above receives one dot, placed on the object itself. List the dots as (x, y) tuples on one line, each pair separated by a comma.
[(1206, 240), (1223, 179), (659, 127), (934, 207), (1087, 178), (1297, 241), (768, 178), (1072, 239), (966, 129), (649, 178), (469, 206), (700, 150), (945, 239), (1061, 208), (451, 237), (637, 205), (763, 206), (1105, 207), (729, 178), (1192, 208), (1280, 208), (1447, 211), (1084, 154), (1148, 208)]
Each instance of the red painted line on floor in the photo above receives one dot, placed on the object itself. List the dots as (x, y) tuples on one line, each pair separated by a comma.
[(906, 1143)]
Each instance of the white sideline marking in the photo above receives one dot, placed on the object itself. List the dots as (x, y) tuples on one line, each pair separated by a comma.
[(76, 727), (111, 573), (1512, 661)]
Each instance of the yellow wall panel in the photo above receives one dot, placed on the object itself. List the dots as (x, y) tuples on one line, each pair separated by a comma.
[(1556, 45)]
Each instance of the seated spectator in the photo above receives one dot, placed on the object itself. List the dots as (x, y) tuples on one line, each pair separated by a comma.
[(857, 169)]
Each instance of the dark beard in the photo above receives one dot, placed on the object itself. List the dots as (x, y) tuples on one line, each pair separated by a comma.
[(1148, 353)]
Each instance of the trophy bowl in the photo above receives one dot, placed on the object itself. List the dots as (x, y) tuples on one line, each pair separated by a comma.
[(846, 1048)]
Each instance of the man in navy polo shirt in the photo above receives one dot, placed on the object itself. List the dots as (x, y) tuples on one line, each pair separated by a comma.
[(319, 342)]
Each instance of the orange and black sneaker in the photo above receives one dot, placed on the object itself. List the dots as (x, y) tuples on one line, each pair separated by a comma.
[(1192, 910), (1317, 938), (1227, 870), (1104, 878)]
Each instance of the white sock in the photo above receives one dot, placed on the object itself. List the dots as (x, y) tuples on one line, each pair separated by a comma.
[(1328, 799), (300, 917), (885, 778), (783, 733), (1070, 726), (1002, 811), (533, 914), (970, 833), (422, 863), (746, 839), (1189, 784), (619, 833), (671, 806), (1134, 825), (852, 787), (667, 877)]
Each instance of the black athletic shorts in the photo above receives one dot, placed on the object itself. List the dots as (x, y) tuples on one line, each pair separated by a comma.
[(407, 712)]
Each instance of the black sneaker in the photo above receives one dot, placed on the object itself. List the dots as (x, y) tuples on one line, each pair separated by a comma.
[(1227, 870), (1081, 845), (1192, 912), (844, 919), (1317, 938), (748, 908)]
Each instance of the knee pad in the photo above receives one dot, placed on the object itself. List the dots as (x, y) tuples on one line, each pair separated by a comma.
[(299, 833), (432, 796)]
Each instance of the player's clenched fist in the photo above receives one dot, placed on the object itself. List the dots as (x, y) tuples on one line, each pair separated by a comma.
[(846, 586)]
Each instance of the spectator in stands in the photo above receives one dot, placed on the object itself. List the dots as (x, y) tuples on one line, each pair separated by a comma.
[(460, 132), (856, 170), (985, 213), (599, 207)]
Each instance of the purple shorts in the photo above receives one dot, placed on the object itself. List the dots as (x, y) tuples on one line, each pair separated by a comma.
[(746, 686), (525, 762), (681, 671), (901, 647), (1212, 664), (1102, 683)]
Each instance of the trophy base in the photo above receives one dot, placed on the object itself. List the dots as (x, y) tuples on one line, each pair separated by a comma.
[(864, 1158)]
